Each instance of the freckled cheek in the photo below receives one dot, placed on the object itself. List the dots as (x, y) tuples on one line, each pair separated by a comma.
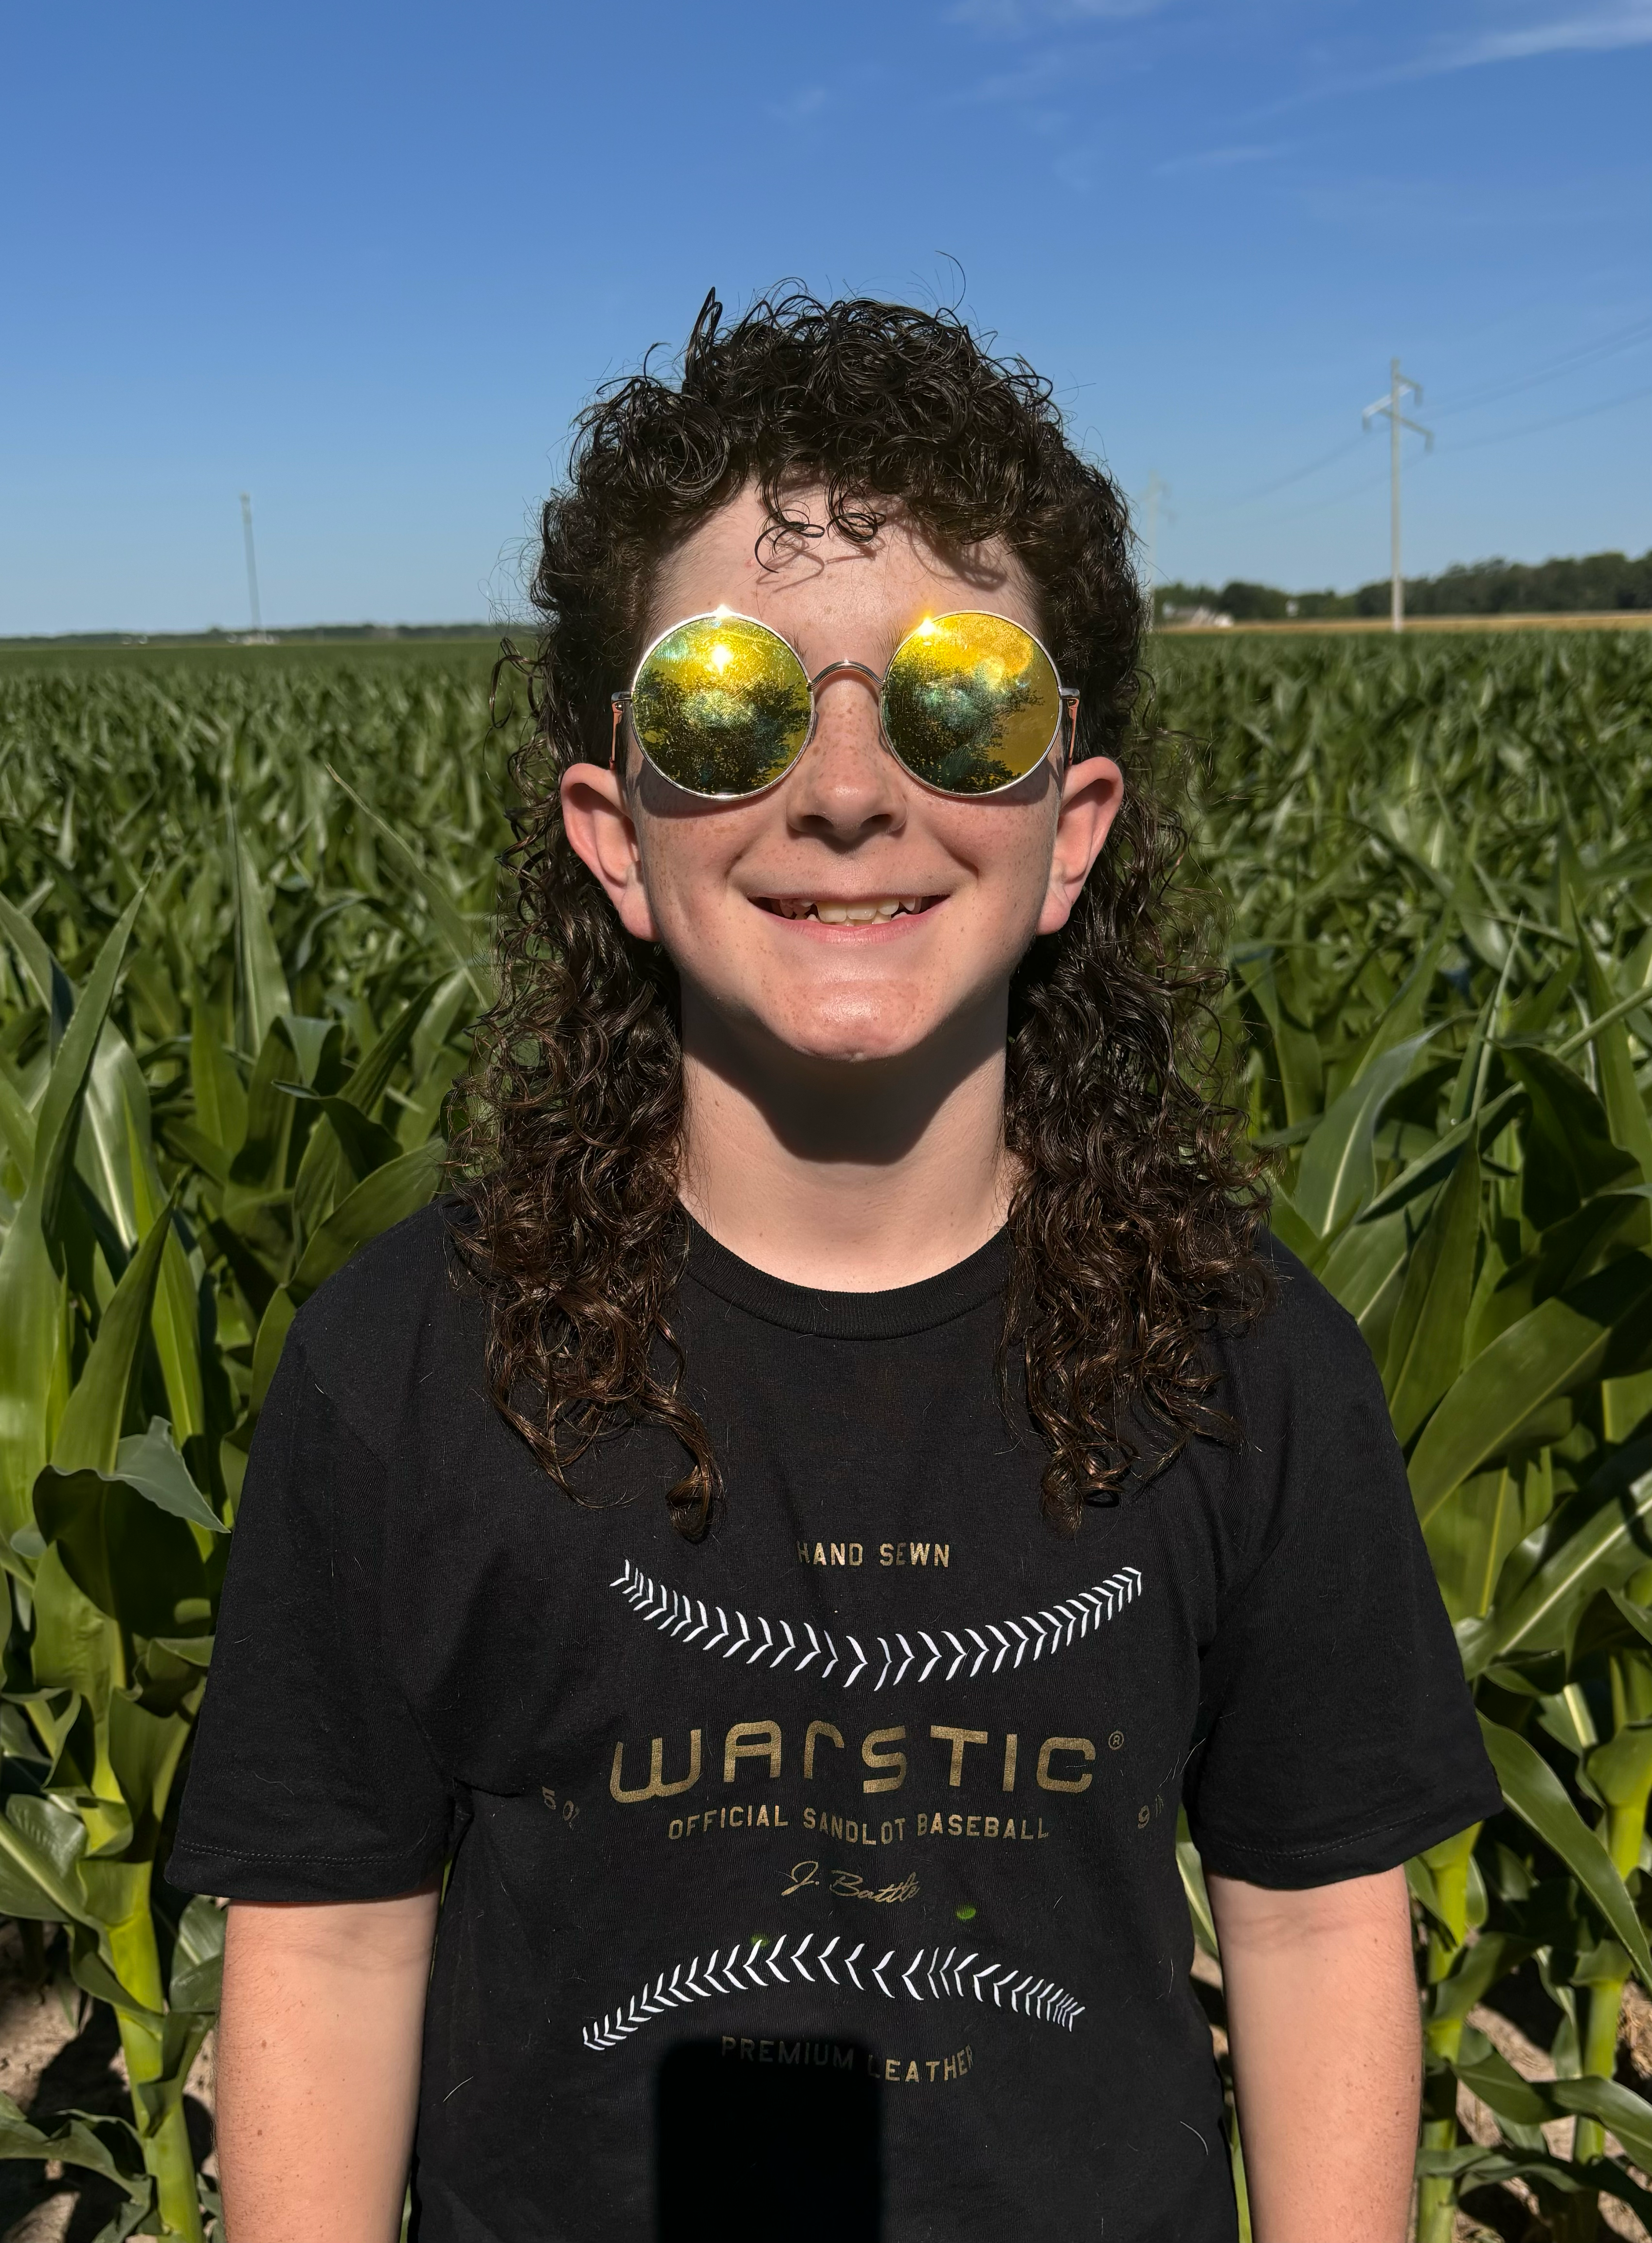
[(998, 840), (1015, 870), (686, 876)]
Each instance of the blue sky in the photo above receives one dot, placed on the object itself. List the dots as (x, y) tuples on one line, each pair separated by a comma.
[(367, 260)]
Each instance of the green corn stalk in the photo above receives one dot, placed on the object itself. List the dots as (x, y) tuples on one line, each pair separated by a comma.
[(214, 1088), (1621, 1771), (1448, 1928), (1470, 1180), (1442, 942)]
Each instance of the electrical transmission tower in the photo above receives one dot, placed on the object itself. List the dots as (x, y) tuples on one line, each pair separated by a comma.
[(1398, 385), (252, 564)]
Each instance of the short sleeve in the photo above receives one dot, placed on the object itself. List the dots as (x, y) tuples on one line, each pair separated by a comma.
[(310, 1778), (1340, 1738)]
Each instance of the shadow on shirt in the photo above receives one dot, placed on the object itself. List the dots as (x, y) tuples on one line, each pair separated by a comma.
[(759, 2139)]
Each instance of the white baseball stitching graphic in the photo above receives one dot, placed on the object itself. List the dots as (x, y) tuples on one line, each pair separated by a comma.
[(1032, 1998), (689, 1618)]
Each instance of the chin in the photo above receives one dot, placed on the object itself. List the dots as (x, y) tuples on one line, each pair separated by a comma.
[(859, 1041)]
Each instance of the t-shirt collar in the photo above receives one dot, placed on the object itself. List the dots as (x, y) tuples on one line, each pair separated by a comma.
[(890, 1315)]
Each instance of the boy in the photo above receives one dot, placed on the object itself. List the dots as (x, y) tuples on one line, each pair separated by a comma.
[(786, 1536)]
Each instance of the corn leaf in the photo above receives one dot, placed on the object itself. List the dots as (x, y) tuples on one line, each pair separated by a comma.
[(1618, 2109), (198, 1958), (264, 994), (1432, 1166), (399, 1189), (1569, 1155), (1338, 1171), (175, 1313), (220, 1096), (151, 1463), (1426, 1345), (89, 1432), (1536, 1795), (32, 1292), (17, 1127), (75, 2144), (1613, 1542), (130, 1558), (1549, 1353), (455, 929), (58, 1122), (52, 984), (31, 1882), (1619, 1094), (1469, 1535)]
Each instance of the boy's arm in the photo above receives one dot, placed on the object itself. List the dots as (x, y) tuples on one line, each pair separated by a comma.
[(1327, 2054), (318, 2066)]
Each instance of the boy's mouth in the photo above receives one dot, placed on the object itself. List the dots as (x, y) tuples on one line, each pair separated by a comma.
[(864, 911)]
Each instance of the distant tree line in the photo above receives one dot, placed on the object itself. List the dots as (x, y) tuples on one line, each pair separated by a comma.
[(304, 634), (1600, 584)]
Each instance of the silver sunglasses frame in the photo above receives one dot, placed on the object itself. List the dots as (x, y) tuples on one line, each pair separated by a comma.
[(1065, 734)]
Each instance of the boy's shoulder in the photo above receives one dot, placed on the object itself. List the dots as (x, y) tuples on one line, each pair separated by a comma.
[(1303, 1312), (396, 1320), (1303, 1353)]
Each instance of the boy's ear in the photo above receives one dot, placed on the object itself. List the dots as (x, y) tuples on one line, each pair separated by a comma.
[(602, 834), (1091, 794)]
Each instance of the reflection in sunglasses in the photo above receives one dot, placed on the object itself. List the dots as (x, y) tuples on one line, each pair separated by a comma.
[(723, 706)]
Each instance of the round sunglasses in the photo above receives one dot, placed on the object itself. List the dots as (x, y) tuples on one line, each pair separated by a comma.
[(722, 707)]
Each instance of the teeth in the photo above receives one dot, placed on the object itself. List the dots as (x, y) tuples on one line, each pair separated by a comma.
[(863, 914)]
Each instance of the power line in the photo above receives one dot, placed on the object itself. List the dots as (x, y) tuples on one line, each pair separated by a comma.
[(1555, 421), (1474, 444), (1607, 347), (1283, 482), (1569, 363), (1336, 498)]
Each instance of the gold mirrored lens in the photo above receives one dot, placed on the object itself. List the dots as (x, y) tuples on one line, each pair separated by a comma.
[(721, 705), (971, 702)]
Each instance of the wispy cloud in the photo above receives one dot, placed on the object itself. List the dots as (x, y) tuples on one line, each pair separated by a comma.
[(1015, 16), (1618, 25), (1045, 75), (798, 108), (1217, 159), (1599, 31)]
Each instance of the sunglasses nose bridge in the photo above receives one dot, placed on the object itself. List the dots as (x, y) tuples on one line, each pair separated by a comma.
[(843, 782), (860, 669), (845, 667)]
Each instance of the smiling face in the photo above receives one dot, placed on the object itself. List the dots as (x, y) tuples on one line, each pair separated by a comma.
[(848, 914)]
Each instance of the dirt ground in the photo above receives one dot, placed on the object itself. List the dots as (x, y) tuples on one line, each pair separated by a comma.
[(50, 2063), (1508, 2214)]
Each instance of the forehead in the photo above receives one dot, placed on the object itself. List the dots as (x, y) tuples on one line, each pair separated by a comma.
[(818, 588)]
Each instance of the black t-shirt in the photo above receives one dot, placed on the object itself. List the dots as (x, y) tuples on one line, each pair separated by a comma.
[(819, 1879)]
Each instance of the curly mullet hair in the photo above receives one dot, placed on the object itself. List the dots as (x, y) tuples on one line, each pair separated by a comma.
[(1133, 1228)]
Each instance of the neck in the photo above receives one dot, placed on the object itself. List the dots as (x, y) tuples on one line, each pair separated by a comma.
[(848, 1177)]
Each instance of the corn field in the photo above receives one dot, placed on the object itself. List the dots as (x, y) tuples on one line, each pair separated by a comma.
[(243, 914)]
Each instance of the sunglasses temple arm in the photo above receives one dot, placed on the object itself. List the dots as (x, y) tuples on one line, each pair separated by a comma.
[(619, 700)]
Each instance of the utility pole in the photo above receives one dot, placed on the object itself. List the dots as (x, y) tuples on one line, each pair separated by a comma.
[(1398, 385), (1156, 489), (252, 564)]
